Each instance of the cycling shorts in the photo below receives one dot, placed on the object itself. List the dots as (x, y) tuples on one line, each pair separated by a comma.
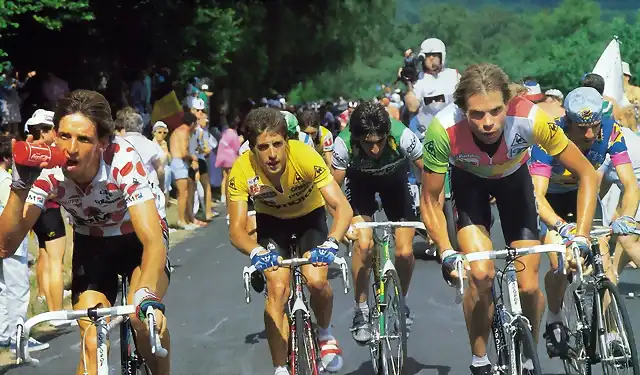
[(514, 196), (203, 167), (564, 204), (49, 226), (275, 234), (97, 262), (394, 192)]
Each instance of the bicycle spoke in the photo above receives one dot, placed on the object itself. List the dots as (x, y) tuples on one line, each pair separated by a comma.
[(394, 336)]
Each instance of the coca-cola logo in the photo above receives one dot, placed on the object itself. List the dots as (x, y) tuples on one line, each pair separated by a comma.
[(39, 157)]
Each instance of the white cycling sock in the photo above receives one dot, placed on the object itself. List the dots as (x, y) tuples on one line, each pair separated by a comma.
[(281, 370), (363, 308), (555, 318), (325, 334), (480, 361)]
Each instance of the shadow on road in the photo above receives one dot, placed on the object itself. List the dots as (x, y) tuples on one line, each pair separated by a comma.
[(254, 338), (334, 273), (411, 367), (625, 288)]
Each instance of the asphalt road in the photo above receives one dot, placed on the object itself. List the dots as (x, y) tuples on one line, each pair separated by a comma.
[(215, 332)]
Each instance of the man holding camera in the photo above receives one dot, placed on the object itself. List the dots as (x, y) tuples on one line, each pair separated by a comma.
[(425, 70)]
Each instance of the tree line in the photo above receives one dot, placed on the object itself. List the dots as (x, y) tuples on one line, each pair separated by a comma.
[(312, 50)]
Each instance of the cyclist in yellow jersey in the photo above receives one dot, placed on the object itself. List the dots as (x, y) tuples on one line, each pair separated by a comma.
[(485, 138), (322, 138), (289, 184)]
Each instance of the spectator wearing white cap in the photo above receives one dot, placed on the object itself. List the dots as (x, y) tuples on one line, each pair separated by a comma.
[(534, 93), (434, 72), (160, 131), (552, 104), (49, 229)]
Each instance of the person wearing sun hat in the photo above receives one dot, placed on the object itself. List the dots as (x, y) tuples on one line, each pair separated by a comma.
[(534, 93)]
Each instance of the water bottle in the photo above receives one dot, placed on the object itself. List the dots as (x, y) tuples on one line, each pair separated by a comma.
[(32, 155)]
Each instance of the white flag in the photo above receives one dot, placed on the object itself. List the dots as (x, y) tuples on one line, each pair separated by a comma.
[(609, 66)]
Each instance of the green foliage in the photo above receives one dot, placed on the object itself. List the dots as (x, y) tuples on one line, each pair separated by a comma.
[(554, 45), (50, 13)]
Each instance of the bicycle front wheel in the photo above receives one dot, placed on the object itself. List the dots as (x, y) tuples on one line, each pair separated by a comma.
[(304, 351), (392, 327), (576, 320), (524, 353), (611, 331)]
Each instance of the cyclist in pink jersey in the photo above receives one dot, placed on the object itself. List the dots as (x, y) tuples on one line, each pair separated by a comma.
[(484, 138)]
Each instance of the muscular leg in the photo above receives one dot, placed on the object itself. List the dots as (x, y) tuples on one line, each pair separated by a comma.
[(42, 275), (275, 320), (183, 198), (555, 283), (321, 293), (361, 261), (55, 254), (405, 260), (477, 301), (530, 293)]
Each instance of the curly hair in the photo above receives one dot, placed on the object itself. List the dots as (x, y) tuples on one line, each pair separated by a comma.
[(309, 117), (369, 119)]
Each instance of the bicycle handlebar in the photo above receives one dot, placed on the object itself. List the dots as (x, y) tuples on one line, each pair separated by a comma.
[(24, 328), (502, 254), (389, 224), (293, 262)]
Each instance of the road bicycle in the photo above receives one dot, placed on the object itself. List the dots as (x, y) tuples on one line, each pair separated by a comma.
[(304, 350), (516, 352), (599, 325), (387, 319), (131, 361)]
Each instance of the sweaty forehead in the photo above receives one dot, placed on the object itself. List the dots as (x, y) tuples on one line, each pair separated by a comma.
[(485, 102), (77, 124)]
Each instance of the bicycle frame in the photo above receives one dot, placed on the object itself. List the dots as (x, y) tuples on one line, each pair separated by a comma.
[(98, 316)]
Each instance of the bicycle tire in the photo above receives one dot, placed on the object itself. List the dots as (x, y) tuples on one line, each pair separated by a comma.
[(131, 361), (304, 354), (578, 362), (388, 366), (524, 344), (603, 286)]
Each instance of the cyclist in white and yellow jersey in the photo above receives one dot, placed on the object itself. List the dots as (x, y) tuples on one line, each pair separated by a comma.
[(309, 121), (485, 139)]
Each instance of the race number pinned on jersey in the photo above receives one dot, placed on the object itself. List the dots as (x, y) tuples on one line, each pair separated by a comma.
[(254, 186)]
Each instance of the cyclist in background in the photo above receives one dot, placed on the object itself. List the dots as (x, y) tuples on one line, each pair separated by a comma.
[(289, 184), (485, 137), (372, 152), (557, 193), (309, 121)]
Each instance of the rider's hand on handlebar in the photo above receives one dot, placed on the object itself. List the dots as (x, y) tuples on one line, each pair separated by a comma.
[(566, 230), (623, 225), (449, 260), (144, 298), (325, 253), (264, 260)]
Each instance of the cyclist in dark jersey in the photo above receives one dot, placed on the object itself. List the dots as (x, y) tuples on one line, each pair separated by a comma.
[(372, 152)]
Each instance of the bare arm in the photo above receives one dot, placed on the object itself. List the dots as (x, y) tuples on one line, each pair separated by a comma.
[(432, 211), (328, 155), (577, 163), (146, 224), (546, 212), (631, 193), (418, 163), (342, 212), (338, 175), (16, 221), (158, 165), (411, 100), (237, 227)]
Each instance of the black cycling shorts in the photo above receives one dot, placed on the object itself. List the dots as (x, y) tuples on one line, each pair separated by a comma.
[(275, 233), (49, 226), (394, 192), (97, 262), (203, 167), (564, 204), (514, 196)]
